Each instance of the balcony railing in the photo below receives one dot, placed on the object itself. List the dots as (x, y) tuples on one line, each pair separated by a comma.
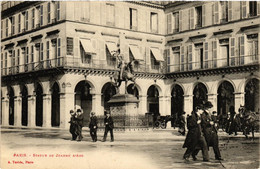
[(70, 62), (212, 64)]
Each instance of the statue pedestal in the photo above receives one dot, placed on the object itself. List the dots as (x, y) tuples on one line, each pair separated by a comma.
[(124, 110)]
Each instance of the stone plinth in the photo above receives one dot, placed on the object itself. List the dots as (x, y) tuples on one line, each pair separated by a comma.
[(123, 108)]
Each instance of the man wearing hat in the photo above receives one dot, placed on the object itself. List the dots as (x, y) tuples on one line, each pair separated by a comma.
[(109, 126), (209, 130), (93, 126)]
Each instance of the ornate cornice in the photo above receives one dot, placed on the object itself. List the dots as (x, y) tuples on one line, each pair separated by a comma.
[(140, 75), (214, 72)]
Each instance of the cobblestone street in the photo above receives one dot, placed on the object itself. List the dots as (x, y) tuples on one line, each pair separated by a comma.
[(39, 149)]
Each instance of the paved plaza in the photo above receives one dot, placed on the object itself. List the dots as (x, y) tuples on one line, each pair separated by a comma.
[(152, 149)]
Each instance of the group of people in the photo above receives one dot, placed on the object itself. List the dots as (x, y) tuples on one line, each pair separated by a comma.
[(202, 133), (76, 124)]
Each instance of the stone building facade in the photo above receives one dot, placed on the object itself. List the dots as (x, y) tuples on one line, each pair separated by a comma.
[(57, 55)]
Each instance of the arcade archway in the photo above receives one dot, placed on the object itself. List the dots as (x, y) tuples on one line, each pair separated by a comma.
[(24, 106), (55, 105), (133, 91), (177, 103), (39, 105), (199, 95), (153, 100), (11, 106), (252, 95), (108, 91), (226, 98), (83, 99)]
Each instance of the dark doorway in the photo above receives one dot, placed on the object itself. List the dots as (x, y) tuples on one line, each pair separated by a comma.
[(83, 98), (133, 91), (39, 105), (177, 103), (108, 91), (252, 95), (225, 98), (24, 106), (11, 106), (153, 101), (199, 95), (55, 106)]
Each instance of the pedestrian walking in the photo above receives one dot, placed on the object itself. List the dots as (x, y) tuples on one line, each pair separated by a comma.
[(215, 119), (209, 130), (93, 126), (109, 126), (79, 122), (195, 139), (73, 125)]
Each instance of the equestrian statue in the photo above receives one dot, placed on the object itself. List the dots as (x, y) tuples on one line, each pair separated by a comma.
[(125, 72)]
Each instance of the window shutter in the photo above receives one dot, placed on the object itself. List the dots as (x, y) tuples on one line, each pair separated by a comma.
[(232, 50), (258, 7), (216, 13), (167, 53), (203, 15), (242, 50), (169, 23), (182, 52), (244, 9), (191, 12), (190, 51), (206, 55), (214, 53), (76, 47), (180, 21), (230, 3)]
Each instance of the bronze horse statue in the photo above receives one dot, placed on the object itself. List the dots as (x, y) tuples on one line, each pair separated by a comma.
[(127, 75), (249, 121)]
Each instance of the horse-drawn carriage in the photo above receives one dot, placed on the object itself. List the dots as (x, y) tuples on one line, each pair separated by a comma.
[(161, 121)]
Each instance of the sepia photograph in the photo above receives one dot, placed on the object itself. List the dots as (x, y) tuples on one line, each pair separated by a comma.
[(130, 84)]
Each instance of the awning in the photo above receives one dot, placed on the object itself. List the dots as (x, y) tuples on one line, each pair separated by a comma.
[(157, 54), (111, 47), (87, 46), (136, 52)]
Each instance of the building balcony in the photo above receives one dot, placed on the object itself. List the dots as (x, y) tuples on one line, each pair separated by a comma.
[(70, 62), (213, 64)]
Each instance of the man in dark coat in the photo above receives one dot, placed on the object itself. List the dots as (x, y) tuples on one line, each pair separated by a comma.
[(93, 126), (234, 121), (209, 130), (73, 125), (182, 124), (109, 126), (79, 121), (195, 138)]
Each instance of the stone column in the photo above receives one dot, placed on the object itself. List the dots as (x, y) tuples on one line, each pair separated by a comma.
[(18, 111), (96, 104), (213, 99), (161, 106), (46, 110), (5, 111), (142, 104), (66, 104), (188, 104), (239, 100), (31, 110), (167, 105)]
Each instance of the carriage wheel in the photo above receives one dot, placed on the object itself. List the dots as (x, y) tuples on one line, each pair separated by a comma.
[(157, 124), (163, 125)]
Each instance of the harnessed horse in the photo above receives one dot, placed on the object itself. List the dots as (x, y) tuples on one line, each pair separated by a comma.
[(250, 121)]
